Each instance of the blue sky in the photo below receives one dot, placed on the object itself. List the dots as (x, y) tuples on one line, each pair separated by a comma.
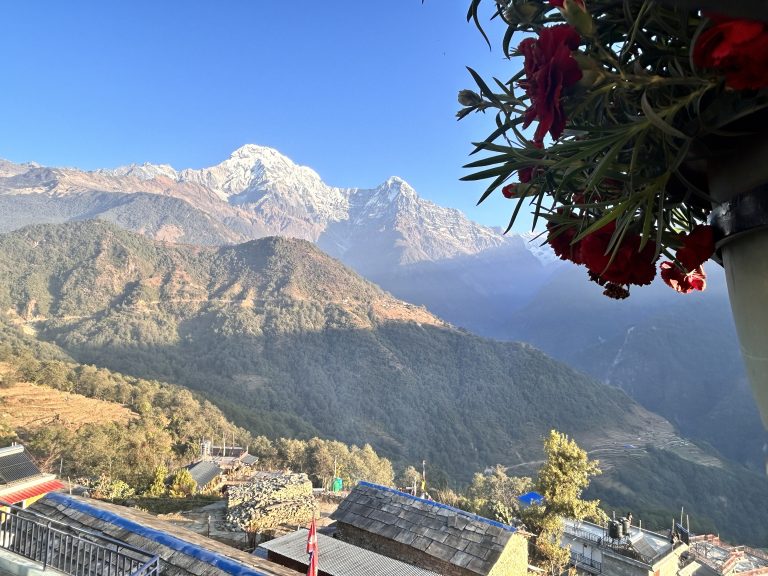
[(357, 90)]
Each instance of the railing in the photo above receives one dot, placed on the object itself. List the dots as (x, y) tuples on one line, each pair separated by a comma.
[(627, 550), (622, 547), (71, 551), (581, 561), (583, 534)]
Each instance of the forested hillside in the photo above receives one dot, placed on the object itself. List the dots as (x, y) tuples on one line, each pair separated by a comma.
[(141, 426), (288, 342)]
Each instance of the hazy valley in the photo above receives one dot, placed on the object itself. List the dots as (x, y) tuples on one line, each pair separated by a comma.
[(288, 342)]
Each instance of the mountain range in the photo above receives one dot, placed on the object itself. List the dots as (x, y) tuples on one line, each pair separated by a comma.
[(256, 192), (677, 355), (288, 341)]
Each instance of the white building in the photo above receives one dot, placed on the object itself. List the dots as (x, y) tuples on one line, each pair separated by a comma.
[(636, 552)]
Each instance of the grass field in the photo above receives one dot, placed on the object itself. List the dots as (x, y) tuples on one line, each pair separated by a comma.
[(29, 406)]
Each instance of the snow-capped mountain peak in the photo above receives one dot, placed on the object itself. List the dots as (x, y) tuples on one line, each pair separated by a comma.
[(250, 171), (395, 185)]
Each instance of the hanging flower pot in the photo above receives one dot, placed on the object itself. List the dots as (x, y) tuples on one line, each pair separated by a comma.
[(742, 224), (624, 126)]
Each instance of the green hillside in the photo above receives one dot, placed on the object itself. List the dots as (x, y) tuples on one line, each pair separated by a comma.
[(288, 342)]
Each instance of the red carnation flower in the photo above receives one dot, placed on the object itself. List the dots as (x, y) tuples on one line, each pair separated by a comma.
[(562, 244), (681, 282), (697, 248), (629, 264), (549, 69), (736, 48)]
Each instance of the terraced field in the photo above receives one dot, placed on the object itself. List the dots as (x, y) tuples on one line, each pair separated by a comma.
[(30, 406), (618, 447)]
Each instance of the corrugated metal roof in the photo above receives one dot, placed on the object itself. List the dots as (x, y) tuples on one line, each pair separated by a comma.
[(227, 451), (16, 496), (454, 536), (341, 559), (203, 472), (15, 465)]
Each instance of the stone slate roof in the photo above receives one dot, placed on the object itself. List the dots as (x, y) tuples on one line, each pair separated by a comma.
[(249, 460), (203, 473), (338, 558), (182, 552), (444, 532)]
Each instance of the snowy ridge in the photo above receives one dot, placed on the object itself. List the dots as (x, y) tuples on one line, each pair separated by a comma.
[(538, 247), (144, 171), (263, 192)]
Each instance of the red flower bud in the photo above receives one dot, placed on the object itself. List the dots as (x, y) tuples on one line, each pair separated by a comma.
[(616, 291), (510, 190)]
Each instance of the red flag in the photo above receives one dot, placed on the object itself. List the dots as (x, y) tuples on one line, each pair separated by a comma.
[(312, 549)]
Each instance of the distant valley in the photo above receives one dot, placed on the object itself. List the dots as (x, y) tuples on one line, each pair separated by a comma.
[(288, 342), (677, 355)]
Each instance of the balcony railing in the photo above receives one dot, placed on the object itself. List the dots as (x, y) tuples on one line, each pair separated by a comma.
[(583, 534), (72, 551), (585, 563)]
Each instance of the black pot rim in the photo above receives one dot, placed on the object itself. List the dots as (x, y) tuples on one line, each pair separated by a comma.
[(740, 215)]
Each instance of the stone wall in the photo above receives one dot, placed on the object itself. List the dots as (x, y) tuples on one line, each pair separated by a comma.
[(269, 501)]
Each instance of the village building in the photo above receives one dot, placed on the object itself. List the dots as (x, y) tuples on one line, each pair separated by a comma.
[(21, 481), (625, 550), (337, 558), (208, 476), (228, 458), (428, 534), (709, 556)]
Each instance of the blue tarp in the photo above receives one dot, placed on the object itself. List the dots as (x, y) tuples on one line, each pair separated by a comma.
[(218, 560), (530, 498)]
